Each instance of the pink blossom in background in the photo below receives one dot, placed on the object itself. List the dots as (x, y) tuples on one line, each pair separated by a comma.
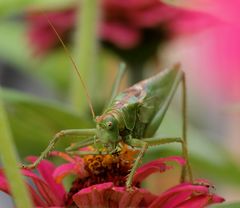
[(40, 35), (207, 34), (123, 23), (211, 57)]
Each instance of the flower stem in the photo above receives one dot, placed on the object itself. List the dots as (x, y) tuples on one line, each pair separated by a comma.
[(85, 50), (9, 160)]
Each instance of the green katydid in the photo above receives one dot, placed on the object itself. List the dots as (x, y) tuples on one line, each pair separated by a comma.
[(131, 117)]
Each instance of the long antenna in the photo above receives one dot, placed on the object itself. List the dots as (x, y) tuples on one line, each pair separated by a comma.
[(74, 66)]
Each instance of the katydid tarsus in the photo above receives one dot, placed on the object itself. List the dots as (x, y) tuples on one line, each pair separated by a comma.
[(131, 117)]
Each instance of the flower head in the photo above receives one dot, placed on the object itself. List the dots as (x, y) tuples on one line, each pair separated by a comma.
[(100, 182), (125, 26)]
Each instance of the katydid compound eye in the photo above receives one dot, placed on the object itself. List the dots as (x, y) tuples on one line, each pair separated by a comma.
[(109, 125)]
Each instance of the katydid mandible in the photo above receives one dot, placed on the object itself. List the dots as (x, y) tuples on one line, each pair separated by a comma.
[(132, 117)]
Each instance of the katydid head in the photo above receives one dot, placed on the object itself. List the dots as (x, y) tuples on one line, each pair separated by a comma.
[(108, 132)]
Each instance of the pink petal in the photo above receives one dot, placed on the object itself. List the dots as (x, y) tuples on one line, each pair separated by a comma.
[(46, 169), (62, 155), (217, 199), (200, 201), (154, 16), (136, 198), (38, 201), (219, 8), (178, 198), (35, 196), (183, 191), (40, 33), (68, 168), (93, 196), (154, 166), (188, 22), (121, 35), (4, 185), (46, 192), (105, 195)]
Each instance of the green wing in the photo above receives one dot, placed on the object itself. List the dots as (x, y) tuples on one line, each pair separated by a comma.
[(159, 92)]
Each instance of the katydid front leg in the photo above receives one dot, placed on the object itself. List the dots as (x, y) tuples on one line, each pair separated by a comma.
[(140, 144), (57, 137), (82, 153), (74, 150), (84, 143)]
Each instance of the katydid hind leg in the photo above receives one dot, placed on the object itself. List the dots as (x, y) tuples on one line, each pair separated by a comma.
[(156, 121), (184, 130), (57, 137)]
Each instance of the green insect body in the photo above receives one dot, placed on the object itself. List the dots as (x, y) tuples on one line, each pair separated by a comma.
[(134, 111), (132, 117)]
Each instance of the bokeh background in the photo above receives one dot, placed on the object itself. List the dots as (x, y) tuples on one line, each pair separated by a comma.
[(42, 93)]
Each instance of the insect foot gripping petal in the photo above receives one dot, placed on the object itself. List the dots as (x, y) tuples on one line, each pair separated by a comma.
[(28, 167)]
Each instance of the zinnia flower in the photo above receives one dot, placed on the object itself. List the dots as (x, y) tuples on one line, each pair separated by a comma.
[(132, 29), (125, 24), (100, 182)]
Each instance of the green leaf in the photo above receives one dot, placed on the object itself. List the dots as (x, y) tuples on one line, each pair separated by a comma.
[(35, 121), (227, 205), (9, 158), (13, 46), (16, 6)]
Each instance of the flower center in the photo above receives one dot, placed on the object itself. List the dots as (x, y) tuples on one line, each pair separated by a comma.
[(104, 168)]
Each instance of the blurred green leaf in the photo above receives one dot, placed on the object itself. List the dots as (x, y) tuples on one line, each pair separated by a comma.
[(16, 6), (10, 163), (13, 46), (14, 49), (227, 205), (34, 121), (55, 70)]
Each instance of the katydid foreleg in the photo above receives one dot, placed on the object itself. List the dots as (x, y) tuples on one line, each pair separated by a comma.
[(86, 142), (139, 144), (57, 137)]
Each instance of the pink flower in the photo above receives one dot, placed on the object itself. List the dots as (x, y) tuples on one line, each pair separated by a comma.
[(46, 192), (95, 186), (125, 24), (211, 58), (183, 195), (40, 34)]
